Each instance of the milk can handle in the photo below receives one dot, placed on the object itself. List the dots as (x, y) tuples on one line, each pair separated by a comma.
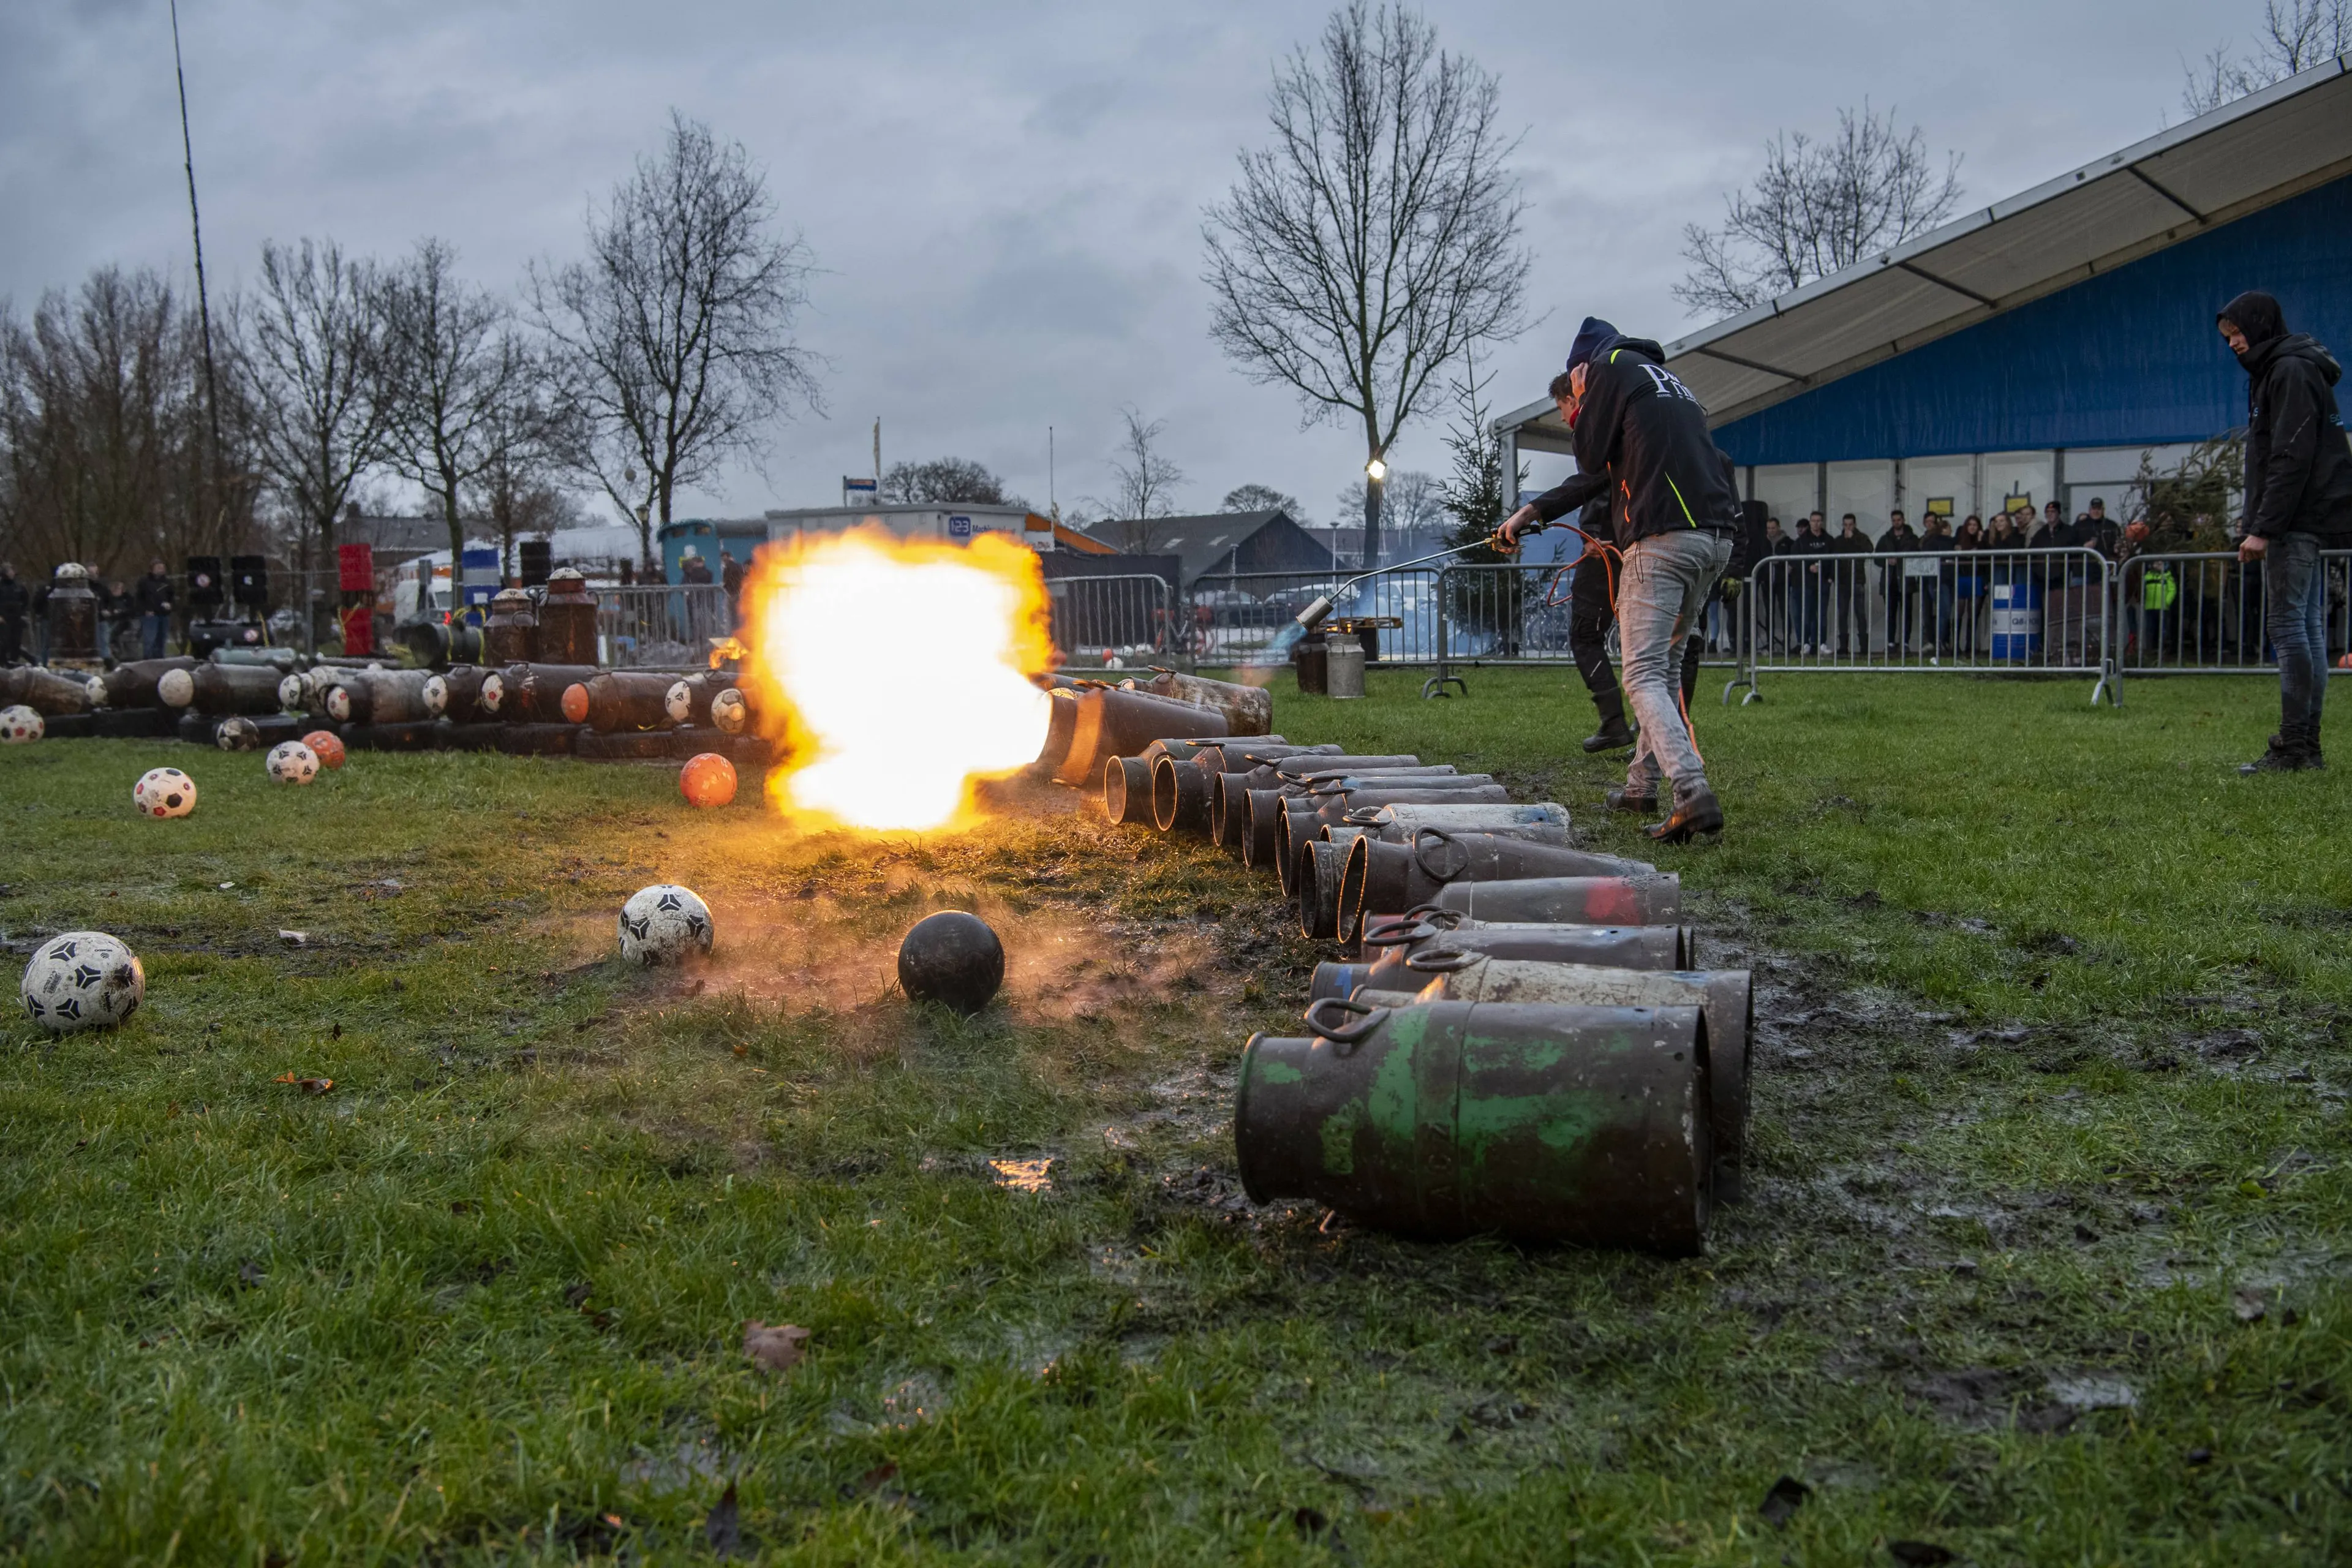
[(1345, 1033), (1440, 960)]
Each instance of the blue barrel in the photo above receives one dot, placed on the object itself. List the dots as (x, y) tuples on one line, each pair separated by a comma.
[(2016, 620)]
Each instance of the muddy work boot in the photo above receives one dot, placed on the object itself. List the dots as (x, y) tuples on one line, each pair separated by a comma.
[(1694, 814), (1614, 734), (1623, 800)]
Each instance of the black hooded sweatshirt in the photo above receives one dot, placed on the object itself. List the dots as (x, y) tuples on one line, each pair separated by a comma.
[(2298, 467), (1641, 437)]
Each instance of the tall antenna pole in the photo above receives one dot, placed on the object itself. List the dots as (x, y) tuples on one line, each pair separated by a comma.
[(1052, 501), (877, 457), (197, 231)]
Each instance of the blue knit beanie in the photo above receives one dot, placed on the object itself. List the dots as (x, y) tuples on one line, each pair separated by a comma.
[(1589, 338)]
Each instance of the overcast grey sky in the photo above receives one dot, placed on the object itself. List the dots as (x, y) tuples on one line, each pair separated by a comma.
[(1005, 202)]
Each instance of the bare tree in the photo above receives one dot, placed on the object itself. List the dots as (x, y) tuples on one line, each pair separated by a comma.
[(1412, 507), (1262, 497), (102, 431), (1816, 209), (455, 370), (678, 324), (1378, 237), (2295, 37), (945, 481), (313, 363), (526, 439), (1146, 491)]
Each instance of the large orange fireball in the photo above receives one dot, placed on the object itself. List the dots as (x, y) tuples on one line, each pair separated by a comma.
[(900, 668)]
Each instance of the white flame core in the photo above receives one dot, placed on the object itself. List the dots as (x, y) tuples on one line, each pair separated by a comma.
[(904, 676)]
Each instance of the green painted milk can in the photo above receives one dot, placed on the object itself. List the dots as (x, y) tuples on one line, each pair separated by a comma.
[(1543, 1122)]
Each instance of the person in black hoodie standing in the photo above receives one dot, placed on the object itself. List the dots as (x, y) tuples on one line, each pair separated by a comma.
[(2298, 503), (1642, 439), (14, 601)]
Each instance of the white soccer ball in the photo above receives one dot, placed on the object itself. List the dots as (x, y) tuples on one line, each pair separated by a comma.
[(291, 761), (238, 734), (679, 703), (292, 695), (729, 711), (664, 925), (339, 703), (492, 694), (82, 979), (164, 791), (436, 695), (21, 723), (176, 689)]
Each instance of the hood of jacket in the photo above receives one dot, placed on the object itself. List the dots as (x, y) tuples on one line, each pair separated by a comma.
[(2259, 358), (1613, 339)]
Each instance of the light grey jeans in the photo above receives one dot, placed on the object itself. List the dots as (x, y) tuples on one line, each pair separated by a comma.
[(1665, 583)]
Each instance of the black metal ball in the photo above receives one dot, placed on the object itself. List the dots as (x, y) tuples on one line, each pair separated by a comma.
[(951, 958)]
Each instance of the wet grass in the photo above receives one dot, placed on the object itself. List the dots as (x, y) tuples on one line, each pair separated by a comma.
[(2044, 1261)]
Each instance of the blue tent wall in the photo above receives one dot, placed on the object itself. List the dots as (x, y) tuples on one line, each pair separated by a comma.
[(2130, 358)]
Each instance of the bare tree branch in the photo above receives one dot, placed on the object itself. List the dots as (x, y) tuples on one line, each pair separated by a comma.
[(2295, 37), (1378, 237), (1146, 491), (678, 327), (314, 362), (1817, 208), (455, 367), (945, 481)]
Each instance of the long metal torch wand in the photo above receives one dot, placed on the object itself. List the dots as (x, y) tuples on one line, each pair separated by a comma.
[(1315, 613)]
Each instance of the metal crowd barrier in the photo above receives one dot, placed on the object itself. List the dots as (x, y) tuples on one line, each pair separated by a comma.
[(652, 627), (2204, 614), (1248, 618), (2047, 612), (1127, 616)]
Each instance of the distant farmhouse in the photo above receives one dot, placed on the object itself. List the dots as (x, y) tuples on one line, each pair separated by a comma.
[(1223, 544)]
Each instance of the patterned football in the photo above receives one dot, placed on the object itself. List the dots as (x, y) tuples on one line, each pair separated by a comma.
[(679, 703), (176, 689), (238, 734), (327, 746), (292, 763), (436, 695), (493, 693), (164, 791), (663, 925), (21, 723), (292, 692), (729, 711), (708, 780), (82, 979)]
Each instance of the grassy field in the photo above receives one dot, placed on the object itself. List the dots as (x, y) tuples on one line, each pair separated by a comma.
[(2044, 1260)]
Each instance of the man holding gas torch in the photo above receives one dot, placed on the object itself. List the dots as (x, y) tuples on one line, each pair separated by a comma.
[(1642, 439)]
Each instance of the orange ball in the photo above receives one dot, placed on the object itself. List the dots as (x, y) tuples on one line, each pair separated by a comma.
[(707, 780), (327, 746)]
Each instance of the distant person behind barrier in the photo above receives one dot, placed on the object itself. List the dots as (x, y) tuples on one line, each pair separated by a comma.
[(1776, 609), (13, 604), (1813, 544), (1968, 583), (152, 598), (1901, 601), (1851, 585), (2298, 503)]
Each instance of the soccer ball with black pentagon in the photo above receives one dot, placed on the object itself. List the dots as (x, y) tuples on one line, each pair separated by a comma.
[(291, 761), (164, 791), (82, 979), (664, 925), (238, 734)]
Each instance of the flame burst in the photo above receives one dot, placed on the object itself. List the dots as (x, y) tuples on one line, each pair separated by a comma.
[(896, 670)]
